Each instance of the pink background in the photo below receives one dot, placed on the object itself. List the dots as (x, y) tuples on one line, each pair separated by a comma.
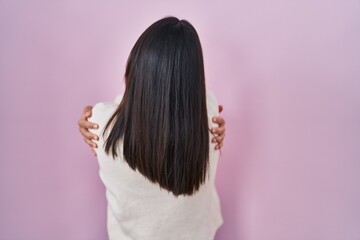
[(287, 73)]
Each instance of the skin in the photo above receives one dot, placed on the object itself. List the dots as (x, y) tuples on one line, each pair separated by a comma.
[(89, 138)]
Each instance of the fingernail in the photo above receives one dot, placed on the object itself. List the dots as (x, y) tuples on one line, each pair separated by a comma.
[(96, 138), (214, 119), (213, 140), (96, 126)]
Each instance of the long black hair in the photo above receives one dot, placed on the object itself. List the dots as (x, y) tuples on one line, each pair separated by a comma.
[(162, 118)]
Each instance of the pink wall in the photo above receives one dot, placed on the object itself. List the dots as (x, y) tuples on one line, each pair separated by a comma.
[(287, 72)]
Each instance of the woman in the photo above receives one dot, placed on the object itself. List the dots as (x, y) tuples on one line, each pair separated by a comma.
[(155, 154)]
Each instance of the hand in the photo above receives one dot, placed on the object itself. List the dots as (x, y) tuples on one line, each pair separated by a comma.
[(219, 131), (85, 125)]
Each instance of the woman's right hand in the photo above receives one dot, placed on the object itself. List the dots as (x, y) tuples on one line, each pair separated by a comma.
[(85, 125)]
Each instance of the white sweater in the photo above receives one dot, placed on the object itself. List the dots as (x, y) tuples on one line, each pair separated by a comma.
[(141, 210)]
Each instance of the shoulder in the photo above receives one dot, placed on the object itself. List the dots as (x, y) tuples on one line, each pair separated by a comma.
[(101, 113), (101, 108), (212, 103)]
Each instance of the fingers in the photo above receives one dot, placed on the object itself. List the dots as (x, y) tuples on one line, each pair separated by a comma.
[(90, 143), (219, 120), (87, 112), (218, 139), (219, 146), (88, 135), (221, 108), (93, 150), (92, 146), (84, 123), (219, 132), (83, 128), (88, 109)]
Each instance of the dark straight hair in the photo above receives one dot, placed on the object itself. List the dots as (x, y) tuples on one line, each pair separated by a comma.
[(162, 117)]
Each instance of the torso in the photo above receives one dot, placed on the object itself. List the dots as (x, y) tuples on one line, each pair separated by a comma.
[(139, 209)]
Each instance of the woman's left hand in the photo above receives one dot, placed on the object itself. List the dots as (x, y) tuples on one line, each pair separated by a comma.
[(219, 131)]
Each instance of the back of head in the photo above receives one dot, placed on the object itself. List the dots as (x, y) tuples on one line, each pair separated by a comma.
[(162, 118)]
